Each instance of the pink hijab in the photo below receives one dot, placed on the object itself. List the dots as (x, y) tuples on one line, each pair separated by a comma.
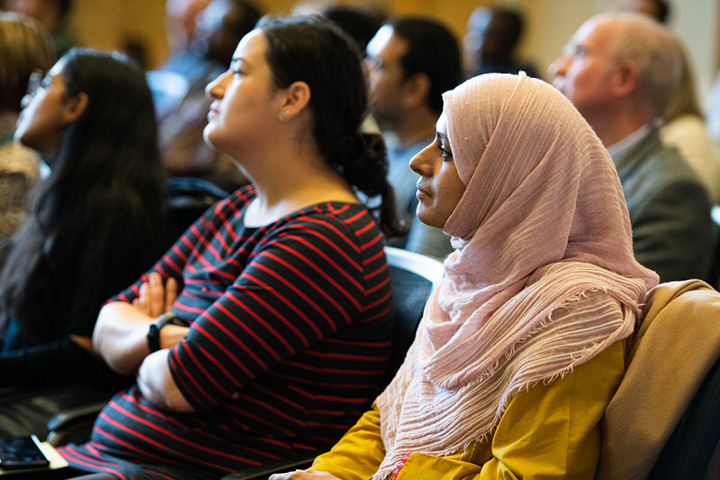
[(543, 277)]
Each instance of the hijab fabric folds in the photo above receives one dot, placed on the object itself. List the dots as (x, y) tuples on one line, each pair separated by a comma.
[(543, 277)]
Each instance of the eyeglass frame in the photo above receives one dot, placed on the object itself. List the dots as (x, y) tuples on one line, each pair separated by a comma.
[(39, 80)]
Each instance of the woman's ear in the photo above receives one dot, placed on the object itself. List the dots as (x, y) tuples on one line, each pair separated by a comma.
[(296, 97), (75, 106)]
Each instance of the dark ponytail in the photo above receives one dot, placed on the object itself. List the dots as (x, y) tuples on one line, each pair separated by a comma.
[(315, 51), (362, 161)]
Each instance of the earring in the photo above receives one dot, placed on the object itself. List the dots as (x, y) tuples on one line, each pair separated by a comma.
[(283, 116)]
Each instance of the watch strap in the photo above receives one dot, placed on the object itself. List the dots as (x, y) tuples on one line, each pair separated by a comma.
[(153, 334)]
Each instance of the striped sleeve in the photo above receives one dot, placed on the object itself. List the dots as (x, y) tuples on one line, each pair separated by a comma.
[(173, 262), (302, 283)]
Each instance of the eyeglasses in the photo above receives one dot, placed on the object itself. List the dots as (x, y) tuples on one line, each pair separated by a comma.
[(38, 81)]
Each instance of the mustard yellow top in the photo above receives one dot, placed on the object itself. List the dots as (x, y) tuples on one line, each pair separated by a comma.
[(548, 431)]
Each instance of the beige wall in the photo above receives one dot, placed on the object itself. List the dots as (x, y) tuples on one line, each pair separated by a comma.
[(550, 23)]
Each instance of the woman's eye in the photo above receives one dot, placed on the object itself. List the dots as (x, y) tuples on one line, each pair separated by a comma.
[(445, 154)]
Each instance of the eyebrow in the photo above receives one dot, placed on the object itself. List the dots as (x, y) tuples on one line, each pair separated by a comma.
[(442, 137), (238, 60)]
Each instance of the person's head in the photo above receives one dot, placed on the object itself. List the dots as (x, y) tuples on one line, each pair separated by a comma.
[(90, 102), (684, 98), (656, 9), (50, 13), (25, 46), (304, 74), (513, 159), (93, 117), (360, 23), (618, 58), (411, 61), (221, 25), (493, 33)]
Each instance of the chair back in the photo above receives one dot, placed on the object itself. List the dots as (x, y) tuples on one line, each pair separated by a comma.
[(187, 199), (413, 277), (666, 411)]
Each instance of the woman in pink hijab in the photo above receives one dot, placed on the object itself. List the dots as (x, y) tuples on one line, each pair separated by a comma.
[(522, 345)]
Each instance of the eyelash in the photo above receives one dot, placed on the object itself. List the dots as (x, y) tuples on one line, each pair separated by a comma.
[(444, 154)]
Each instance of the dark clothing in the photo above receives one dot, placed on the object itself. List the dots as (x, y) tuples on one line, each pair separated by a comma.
[(673, 232), (288, 343)]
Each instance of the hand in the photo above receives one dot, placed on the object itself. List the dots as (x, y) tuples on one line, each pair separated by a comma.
[(155, 299), (303, 475)]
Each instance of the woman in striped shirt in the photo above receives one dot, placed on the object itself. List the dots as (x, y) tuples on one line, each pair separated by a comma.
[(279, 332)]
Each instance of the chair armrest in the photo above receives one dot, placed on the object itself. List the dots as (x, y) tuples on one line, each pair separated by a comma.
[(264, 471), (73, 425)]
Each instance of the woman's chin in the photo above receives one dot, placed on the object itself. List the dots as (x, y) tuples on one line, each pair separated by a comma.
[(427, 217)]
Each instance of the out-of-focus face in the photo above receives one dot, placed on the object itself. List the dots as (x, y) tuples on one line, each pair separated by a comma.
[(44, 117), (386, 75), (243, 108), (439, 188), (584, 71)]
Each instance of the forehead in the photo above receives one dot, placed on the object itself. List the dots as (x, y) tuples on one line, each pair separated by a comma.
[(387, 44), (252, 47), (594, 33)]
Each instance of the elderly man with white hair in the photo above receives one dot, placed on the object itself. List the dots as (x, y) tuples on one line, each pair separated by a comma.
[(619, 70)]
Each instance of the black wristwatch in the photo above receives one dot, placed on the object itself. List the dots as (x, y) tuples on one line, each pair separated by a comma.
[(153, 334)]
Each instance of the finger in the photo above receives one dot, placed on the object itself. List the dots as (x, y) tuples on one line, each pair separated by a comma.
[(141, 302), (156, 295), (171, 293)]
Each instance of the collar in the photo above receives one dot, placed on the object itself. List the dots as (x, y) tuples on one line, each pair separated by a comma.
[(619, 149)]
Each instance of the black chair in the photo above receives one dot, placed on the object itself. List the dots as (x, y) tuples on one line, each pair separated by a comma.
[(687, 454), (413, 277), (714, 278), (187, 199)]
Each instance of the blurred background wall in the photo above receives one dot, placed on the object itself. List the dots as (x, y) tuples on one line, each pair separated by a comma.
[(139, 24)]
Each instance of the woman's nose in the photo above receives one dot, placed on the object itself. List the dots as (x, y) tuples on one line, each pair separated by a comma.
[(422, 163), (216, 89)]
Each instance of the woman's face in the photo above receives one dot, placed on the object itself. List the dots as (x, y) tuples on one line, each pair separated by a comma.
[(245, 107), (439, 189), (44, 117)]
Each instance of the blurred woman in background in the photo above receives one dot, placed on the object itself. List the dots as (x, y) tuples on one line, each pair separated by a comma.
[(96, 223)]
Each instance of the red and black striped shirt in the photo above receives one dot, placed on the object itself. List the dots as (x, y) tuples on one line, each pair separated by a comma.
[(288, 344)]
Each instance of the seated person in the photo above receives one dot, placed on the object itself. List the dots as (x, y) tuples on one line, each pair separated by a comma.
[(669, 207), (284, 290), (522, 345), (95, 225)]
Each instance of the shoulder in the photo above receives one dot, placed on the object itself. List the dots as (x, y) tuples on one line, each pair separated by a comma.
[(347, 222), (659, 168), (347, 230)]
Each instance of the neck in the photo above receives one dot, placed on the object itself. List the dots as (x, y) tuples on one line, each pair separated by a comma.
[(617, 125), (289, 181)]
